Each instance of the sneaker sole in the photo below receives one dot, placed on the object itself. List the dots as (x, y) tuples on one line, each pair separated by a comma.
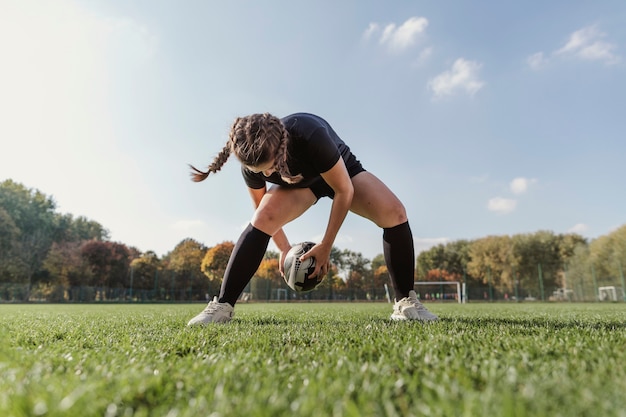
[(404, 318)]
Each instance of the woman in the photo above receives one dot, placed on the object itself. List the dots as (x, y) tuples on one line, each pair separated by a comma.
[(304, 160)]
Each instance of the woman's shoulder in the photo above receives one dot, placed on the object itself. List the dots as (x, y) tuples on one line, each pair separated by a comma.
[(303, 122)]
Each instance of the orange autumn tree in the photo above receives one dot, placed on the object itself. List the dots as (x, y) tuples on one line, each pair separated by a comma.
[(269, 270), (215, 261)]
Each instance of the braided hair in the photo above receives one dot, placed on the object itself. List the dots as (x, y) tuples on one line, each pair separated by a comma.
[(255, 140)]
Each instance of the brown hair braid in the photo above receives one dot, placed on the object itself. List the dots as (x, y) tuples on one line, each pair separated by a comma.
[(218, 162), (255, 140)]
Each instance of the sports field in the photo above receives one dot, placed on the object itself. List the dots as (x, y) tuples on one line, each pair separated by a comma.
[(313, 360)]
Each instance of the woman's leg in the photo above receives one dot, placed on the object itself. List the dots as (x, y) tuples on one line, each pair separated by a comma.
[(278, 207), (375, 201)]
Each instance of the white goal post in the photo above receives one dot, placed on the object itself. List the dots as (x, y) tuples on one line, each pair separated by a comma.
[(610, 293), (461, 294)]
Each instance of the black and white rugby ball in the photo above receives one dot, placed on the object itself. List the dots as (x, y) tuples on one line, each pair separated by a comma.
[(297, 272)]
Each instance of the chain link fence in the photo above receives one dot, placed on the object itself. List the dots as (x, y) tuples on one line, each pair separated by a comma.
[(571, 288)]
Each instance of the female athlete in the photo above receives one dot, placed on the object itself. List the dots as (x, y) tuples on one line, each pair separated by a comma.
[(303, 160)]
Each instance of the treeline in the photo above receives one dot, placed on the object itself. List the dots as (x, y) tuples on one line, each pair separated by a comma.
[(534, 264), (58, 257)]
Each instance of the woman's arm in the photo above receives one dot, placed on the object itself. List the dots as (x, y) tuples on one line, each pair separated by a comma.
[(339, 180)]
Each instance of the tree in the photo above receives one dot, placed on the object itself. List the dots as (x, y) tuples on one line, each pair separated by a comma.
[(331, 283), (145, 269), (109, 262), (216, 260), (185, 262), (538, 261), (79, 229), (355, 262), (9, 234), (492, 262), (359, 276), (444, 262), (377, 262), (65, 265), (431, 259), (381, 277), (267, 276), (578, 276), (608, 253), (33, 215), (380, 273), (457, 256), (568, 244), (269, 270)]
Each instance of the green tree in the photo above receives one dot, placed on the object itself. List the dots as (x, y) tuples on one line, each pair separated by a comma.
[(33, 215), (359, 277), (66, 266), (568, 243), (355, 262), (578, 273), (492, 262), (538, 261), (145, 269), (378, 261), (608, 255), (79, 229), (431, 259), (446, 262), (185, 262), (9, 234)]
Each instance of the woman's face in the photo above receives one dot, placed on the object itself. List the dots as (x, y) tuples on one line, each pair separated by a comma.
[(266, 169)]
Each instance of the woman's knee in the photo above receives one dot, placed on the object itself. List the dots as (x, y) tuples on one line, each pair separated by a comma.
[(394, 215), (387, 213), (267, 218)]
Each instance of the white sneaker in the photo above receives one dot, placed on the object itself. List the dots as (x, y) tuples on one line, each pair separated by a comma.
[(214, 312), (409, 308)]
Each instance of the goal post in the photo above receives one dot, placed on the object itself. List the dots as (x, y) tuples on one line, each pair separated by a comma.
[(610, 293), (279, 292), (461, 294)]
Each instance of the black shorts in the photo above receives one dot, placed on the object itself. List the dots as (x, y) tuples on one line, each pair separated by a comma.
[(321, 189)]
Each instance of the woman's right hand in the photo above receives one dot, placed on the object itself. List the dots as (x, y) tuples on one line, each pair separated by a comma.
[(281, 261)]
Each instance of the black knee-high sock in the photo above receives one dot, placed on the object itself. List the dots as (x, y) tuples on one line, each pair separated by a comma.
[(399, 255), (243, 263)]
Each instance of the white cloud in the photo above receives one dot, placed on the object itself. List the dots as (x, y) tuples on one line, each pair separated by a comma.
[(536, 61), (463, 76), (371, 30), (423, 57), (588, 43), (520, 185), (579, 228), (398, 38), (501, 205)]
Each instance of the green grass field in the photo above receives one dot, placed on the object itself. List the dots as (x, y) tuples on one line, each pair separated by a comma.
[(313, 360)]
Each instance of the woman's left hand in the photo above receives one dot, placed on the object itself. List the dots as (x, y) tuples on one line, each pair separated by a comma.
[(321, 253)]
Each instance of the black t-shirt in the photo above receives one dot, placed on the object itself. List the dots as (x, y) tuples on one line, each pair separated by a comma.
[(313, 148)]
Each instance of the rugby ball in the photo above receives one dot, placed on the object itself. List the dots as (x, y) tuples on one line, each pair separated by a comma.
[(297, 272)]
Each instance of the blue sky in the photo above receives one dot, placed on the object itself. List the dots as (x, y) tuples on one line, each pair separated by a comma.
[(485, 118)]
